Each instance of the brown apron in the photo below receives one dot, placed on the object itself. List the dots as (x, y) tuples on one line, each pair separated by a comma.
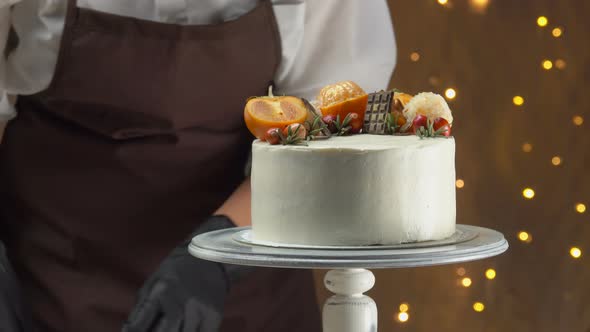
[(139, 137)]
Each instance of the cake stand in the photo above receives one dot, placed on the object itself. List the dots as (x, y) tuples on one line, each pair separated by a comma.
[(348, 310)]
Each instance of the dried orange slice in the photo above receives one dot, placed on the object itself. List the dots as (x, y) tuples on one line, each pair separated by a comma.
[(264, 113), (342, 98), (403, 98)]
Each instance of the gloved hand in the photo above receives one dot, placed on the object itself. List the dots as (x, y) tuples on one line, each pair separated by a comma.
[(186, 294), (13, 316)]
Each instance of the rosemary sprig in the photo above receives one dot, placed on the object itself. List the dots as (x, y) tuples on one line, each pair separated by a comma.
[(429, 132), (292, 137), (343, 128), (316, 127), (391, 126)]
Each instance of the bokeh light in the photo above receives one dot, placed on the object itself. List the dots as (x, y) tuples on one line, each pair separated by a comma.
[(557, 32), (415, 56), (560, 64), (518, 100), (479, 6), (527, 147), (580, 207), (466, 282), (478, 306), (404, 307), (450, 93), (576, 252), (443, 2), (461, 271), (528, 193), (490, 274), (556, 160), (578, 120), (460, 183), (525, 236), (547, 64), (403, 317), (542, 21)]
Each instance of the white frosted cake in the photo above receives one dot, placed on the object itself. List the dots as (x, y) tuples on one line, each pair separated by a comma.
[(354, 190), (351, 168)]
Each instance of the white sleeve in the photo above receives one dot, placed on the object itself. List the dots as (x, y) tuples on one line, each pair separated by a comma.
[(7, 110), (326, 41)]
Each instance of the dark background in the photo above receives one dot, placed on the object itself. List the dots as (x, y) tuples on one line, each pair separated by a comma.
[(489, 52)]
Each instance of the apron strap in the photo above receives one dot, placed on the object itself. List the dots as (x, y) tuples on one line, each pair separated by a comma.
[(71, 12)]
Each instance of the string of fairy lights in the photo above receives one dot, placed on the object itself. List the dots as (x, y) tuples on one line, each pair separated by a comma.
[(528, 193)]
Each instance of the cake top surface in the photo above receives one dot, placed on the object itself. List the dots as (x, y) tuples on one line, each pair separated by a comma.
[(364, 142)]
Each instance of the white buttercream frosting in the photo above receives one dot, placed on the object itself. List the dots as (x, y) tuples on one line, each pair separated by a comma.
[(355, 190)]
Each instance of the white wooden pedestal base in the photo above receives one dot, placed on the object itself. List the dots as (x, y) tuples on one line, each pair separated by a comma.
[(349, 310)]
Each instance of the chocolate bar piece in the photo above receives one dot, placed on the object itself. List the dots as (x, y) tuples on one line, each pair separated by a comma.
[(378, 107)]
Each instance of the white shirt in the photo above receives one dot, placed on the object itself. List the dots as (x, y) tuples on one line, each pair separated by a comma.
[(323, 41)]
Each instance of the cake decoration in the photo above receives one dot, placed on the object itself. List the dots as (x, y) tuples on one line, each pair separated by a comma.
[(344, 109), (429, 104), (378, 110), (342, 98), (400, 100), (264, 113), (424, 127)]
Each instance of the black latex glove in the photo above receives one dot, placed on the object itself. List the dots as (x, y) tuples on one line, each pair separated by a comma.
[(186, 294), (13, 316)]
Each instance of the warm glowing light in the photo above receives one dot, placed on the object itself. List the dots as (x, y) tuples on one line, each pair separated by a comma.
[(460, 183), (578, 120), (528, 193), (527, 147), (556, 32), (461, 271), (403, 317), (466, 282), (490, 274), (443, 2), (480, 3), (415, 56), (556, 161), (478, 306), (560, 64), (518, 100), (450, 93), (404, 307), (580, 208), (575, 252), (433, 80), (542, 21), (479, 6), (524, 236), (547, 64)]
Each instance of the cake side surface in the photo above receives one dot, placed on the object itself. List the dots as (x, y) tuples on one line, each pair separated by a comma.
[(354, 190)]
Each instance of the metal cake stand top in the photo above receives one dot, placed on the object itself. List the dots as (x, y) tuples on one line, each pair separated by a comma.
[(469, 243)]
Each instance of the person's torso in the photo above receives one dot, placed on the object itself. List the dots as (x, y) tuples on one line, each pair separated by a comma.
[(38, 27), (138, 137)]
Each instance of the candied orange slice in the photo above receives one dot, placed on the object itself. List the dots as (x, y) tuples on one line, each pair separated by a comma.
[(342, 98), (264, 113), (404, 98)]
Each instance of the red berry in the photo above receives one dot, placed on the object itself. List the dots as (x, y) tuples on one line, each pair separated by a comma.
[(356, 123), (330, 120), (297, 130), (440, 123), (272, 136), (419, 121)]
